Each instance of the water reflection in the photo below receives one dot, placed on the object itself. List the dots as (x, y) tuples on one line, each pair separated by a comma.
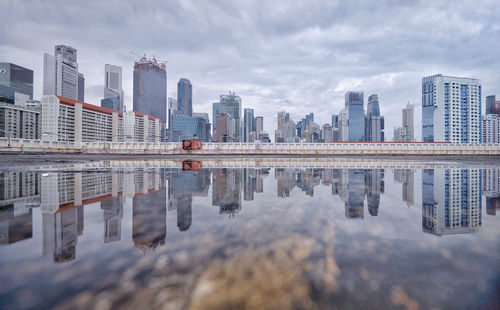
[(451, 199)]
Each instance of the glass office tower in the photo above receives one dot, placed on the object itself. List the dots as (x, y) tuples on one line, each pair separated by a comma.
[(14, 78), (185, 97), (230, 104), (356, 114), (150, 88)]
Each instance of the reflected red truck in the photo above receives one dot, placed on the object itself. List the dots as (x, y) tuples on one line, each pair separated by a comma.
[(194, 165), (194, 144)]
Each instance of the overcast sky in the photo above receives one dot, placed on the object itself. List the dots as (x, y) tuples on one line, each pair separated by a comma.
[(298, 56)]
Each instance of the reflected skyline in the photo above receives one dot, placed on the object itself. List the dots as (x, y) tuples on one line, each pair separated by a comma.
[(451, 199)]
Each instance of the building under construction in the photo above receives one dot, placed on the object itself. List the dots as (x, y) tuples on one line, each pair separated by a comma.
[(150, 88)]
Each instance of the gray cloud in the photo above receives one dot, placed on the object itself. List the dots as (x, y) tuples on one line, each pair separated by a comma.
[(300, 56)]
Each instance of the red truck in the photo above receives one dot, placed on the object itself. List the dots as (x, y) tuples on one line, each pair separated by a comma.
[(194, 144)]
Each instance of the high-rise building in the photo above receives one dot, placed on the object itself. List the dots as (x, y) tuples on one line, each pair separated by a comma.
[(60, 72), (489, 103), (185, 97), (343, 125), (451, 109), (356, 115), (408, 122), (406, 132), (231, 105), (113, 90), (248, 121), (335, 120), (81, 87), (189, 127), (150, 88), (327, 133), (491, 128), (374, 125), (283, 117), (225, 128), (259, 124), (17, 121), (15, 79)]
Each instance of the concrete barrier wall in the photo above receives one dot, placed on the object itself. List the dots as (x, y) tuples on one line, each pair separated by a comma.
[(237, 148)]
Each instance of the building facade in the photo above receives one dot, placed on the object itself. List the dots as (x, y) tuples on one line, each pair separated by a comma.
[(451, 109), (15, 79), (81, 87), (18, 121), (69, 120)]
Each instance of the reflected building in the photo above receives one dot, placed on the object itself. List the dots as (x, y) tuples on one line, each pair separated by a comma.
[(183, 186), (451, 201), (352, 192), (287, 180), (406, 177), (16, 223), (253, 182), (149, 211), (374, 179), (112, 217), (491, 189), (226, 193)]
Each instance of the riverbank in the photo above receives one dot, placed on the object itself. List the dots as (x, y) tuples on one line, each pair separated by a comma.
[(37, 159)]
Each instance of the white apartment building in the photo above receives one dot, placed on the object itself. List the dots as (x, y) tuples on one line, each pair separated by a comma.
[(491, 128), (140, 127), (451, 109), (64, 119), (18, 121)]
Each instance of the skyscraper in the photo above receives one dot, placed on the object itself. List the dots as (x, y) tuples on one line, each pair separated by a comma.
[(15, 79), (230, 104), (374, 122), (113, 92), (408, 122), (248, 120), (343, 124), (259, 124), (150, 88), (356, 114), (335, 120), (185, 97), (489, 103), (451, 109), (60, 72), (283, 117)]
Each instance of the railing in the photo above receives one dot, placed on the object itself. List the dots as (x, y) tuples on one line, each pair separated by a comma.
[(240, 148)]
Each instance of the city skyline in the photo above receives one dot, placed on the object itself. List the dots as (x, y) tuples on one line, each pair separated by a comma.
[(276, 76)]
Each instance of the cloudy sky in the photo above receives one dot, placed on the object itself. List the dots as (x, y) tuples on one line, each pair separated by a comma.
[(298, 56)]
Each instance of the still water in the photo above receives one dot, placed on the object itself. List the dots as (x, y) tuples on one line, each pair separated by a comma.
[(138, 235)]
